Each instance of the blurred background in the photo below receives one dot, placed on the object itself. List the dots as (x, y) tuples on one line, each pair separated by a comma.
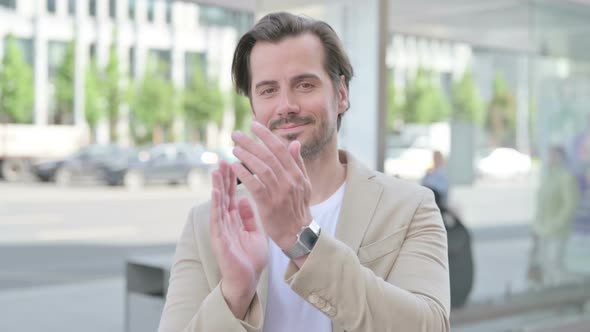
[(113, 114)]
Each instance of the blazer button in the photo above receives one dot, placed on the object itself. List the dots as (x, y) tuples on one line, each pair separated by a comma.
[(332, 312), (313, 298)]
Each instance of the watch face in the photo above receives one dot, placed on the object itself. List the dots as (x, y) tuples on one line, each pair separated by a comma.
[(308, 238)]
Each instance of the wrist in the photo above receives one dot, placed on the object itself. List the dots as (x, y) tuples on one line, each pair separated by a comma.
[(237, 299)]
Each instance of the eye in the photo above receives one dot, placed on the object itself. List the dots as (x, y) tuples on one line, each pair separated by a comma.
[(267, 91), (306, 86)]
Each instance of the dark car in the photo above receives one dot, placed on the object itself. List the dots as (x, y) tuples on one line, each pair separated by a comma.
[(168, 164), (93, 162)]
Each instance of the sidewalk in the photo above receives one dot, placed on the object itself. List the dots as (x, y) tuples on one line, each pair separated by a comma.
[(500, 263)]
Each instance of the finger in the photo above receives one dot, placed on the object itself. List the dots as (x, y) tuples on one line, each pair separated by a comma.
[(247, 215), (264, 172), (276, 146), (223, 220), (260, 150), (295, 151), (254, 186), (232, 189), (214, 214), (224, 167)]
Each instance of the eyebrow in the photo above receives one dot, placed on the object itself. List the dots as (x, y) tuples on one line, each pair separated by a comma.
[(294, 79)]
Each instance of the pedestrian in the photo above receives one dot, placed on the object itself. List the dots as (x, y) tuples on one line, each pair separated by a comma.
[(556, 205)]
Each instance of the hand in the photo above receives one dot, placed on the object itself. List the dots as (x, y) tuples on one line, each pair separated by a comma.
[(240, 246), (278, 183)]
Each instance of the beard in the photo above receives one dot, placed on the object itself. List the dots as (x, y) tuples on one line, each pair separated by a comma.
[(320, 136)]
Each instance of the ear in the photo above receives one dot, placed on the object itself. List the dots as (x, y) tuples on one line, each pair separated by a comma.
[(342, 95)]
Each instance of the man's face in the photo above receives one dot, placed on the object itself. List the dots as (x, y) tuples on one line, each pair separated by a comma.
[(293, 95)]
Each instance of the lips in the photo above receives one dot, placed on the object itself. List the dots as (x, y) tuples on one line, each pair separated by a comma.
[(289, 123)]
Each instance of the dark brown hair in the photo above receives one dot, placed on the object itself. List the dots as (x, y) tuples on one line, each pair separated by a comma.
[(275, 27)]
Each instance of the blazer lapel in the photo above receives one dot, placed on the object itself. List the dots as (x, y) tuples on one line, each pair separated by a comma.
[(359, 203)]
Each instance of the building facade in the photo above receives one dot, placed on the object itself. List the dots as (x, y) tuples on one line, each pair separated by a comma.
[(176, 32)]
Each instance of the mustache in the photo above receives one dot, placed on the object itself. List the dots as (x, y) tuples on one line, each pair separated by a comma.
[(296, 120)]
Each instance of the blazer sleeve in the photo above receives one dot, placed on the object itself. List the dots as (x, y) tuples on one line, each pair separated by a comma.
[(415, 295), (191, 305)]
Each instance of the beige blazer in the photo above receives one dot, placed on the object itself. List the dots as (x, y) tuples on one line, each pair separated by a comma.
[(386, 268)]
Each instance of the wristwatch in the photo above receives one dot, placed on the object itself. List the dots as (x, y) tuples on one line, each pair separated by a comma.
[(306, 239)]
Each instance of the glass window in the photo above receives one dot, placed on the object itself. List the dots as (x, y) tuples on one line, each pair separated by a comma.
[(51, 6), (113, 9), (168, 11), (131, 9), (8, 4), (150, 9), (92, 8), (72, 7), (132, 62)]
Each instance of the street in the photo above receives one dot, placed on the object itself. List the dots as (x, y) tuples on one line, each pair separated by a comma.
[(51, 235)]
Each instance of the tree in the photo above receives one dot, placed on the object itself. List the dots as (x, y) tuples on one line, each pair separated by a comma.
[(64, 87), (154, 106), (425, 101), (501, 117), (94, 103), (394, 110), (203, 101), (467, 102), (241, 111), (16, 91), (114, 93)]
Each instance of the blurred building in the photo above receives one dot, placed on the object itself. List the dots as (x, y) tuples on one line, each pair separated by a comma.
[(176, 32)]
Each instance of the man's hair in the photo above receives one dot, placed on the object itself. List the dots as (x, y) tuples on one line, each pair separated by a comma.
[(275, 27)]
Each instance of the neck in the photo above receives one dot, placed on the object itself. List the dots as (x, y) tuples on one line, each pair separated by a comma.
[(326, 174)]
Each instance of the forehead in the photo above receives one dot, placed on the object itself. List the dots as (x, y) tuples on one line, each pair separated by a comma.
[(289, 57)]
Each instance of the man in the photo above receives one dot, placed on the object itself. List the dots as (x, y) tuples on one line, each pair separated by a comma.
[(313, 240)]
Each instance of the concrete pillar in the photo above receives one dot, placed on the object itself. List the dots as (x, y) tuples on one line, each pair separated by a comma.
[(363, 30), (522, 97)]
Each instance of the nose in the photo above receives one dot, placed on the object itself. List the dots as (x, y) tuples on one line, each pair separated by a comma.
[(287, 104)]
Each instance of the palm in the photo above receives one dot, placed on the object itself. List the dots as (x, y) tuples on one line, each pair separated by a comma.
[(239, 244), (245, 254)]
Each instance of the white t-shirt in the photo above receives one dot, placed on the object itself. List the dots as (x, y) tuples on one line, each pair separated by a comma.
[(285, 310)]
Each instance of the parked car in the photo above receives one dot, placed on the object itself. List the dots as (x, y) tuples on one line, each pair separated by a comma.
[(92, 162), (168, 164)]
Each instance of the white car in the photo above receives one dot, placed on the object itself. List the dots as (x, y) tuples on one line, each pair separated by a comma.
[(504, 163), (410, 163)]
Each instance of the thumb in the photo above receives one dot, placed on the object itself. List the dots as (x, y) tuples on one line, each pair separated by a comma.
[(247, 215)]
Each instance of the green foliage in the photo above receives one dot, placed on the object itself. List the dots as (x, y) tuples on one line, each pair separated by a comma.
[(94, 103), (154, 105), (16, 88), (242, 110), (114, 93), (425, 100), (467, 101), (501, 117), (203, 100), (394, 110), (64, 87)]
